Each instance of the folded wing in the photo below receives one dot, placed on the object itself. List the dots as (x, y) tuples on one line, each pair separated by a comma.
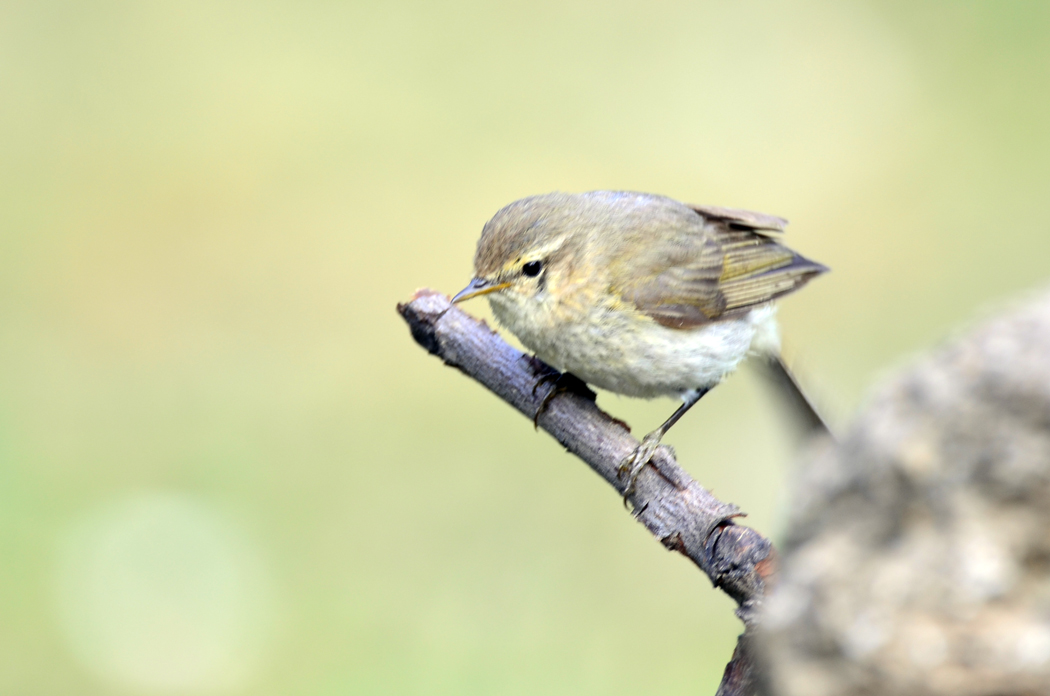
[(723, 269)]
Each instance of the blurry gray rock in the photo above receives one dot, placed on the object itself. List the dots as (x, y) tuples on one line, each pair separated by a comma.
[(918, 554)]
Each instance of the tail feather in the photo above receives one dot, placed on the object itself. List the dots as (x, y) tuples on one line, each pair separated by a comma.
[(796, 400)]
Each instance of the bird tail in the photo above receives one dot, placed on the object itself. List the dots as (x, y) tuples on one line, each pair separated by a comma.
[(794, 398)]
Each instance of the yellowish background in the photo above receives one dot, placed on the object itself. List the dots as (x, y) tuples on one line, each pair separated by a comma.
[(225, 468)]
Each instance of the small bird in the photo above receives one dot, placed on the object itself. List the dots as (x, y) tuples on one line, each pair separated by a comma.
[(636, 293)]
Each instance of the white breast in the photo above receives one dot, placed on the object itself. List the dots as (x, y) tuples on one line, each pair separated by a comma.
[(611, 350)]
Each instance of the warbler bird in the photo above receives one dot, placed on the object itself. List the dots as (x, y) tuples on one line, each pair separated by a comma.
[(637, 293)]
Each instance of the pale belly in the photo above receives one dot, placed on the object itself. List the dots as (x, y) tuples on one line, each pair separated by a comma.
[(614, 351)]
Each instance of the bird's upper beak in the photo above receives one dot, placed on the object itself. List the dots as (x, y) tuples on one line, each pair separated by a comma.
[(477, 287)]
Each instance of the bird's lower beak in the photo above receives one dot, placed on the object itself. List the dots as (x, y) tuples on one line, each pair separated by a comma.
[(478, 287)]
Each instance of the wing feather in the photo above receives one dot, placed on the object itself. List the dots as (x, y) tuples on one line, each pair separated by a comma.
[(723, 269), (743, 218)]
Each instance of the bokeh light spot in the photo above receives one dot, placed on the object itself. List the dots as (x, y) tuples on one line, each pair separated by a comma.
[(161, 594)]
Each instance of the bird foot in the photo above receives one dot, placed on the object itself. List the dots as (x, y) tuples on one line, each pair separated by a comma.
[(563, 382), (633, 464)]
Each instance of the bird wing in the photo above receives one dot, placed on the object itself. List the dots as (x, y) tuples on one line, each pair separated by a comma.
[(719, 268), (744, 219)]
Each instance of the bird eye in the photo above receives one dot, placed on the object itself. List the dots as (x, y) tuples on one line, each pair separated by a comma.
[(532, 268)]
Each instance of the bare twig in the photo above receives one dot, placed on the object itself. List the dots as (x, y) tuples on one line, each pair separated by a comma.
[(677, 510)]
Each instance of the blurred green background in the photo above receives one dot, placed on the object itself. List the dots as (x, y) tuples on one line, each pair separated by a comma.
[(225, 467)]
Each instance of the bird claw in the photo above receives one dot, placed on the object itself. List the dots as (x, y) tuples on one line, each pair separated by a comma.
[(633, 464), (563, 382)]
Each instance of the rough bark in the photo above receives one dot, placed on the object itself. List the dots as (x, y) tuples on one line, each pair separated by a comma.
[(677, 510)]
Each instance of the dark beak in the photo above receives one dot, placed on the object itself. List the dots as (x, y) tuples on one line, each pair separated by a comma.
[(478, 287)]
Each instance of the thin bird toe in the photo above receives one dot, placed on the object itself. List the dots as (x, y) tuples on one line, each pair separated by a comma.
[(633, 464)]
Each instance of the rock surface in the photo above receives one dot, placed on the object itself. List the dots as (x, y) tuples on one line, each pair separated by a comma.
[(918, 554)]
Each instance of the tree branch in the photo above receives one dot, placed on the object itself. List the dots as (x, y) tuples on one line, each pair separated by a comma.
[(677, 510)]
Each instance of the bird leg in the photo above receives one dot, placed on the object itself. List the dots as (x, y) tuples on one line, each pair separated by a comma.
[(633, 464)]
